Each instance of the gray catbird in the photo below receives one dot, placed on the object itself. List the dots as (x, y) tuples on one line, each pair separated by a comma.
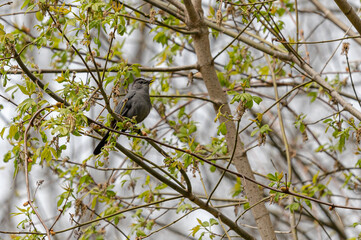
[(136, 103)]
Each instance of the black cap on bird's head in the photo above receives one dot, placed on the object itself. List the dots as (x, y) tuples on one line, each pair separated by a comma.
[(142, 80), (141, 83)]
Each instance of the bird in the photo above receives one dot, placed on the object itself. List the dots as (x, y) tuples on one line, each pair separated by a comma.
[(136, 103)]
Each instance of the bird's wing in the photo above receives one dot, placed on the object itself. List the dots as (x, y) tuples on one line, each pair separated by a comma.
[(125, 104)]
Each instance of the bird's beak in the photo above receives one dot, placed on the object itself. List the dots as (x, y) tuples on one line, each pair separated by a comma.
[(151, 81)]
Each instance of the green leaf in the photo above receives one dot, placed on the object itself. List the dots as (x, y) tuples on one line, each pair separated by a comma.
[(39, 16), (257, 99), (293, 206), (136, 70), (205, 224), (26, 2), (60, 201), (10, 88), (314, 178), (147, 180), (313, 96), (94, 201), (356, 224), (7, 156), (140, 233), (110, 193), (308, 203), (192, 129), (232, 92), (222, 129), (26, 104), (195, 230), (12, 131), (265, 129), (212, 11), (184, 207), (84, 179), (187, 160), (116, 220), (161, 186), (213, 221), (2, 32), (43, 136), (254, 132), (272, 177), (46, 154), (264, 70)]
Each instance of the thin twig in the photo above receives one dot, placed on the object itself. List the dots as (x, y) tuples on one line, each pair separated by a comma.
[(229, 163), (235, 38), (27, 159), (116, 213), (350, 74)]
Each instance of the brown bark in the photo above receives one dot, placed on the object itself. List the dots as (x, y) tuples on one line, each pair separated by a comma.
[(350, 13), (202, 48), (330, 16)]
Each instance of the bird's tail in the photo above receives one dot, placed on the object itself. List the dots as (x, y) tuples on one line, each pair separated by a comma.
[(98, 149)]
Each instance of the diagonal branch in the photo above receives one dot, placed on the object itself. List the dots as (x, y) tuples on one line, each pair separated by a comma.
[(330, 16), (36, 80), (204, 57), (350, 13), (215, 212), (315, 76), (27, 159)]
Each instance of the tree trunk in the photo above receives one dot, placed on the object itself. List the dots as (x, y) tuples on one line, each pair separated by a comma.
[(206, 66)]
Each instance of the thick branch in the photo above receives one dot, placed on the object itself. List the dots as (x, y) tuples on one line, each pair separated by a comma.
[(205, 61), (289, 58), (330, 16), (85, 70), (350, 13), (216, 213)]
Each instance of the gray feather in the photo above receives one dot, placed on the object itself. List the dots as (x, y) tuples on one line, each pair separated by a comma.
[(136, 103)]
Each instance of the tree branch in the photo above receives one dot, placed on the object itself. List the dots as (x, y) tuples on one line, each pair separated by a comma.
[(350, 13), (330, 16)]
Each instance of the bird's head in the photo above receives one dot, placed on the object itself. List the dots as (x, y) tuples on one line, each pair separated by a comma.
[(141, 83)]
